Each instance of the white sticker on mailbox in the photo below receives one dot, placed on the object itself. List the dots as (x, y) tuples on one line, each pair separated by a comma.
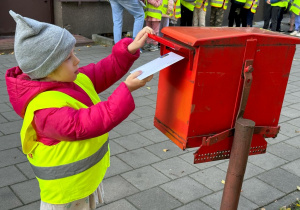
[(157, 64)]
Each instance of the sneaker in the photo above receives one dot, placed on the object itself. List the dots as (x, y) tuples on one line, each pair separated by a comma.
[(294, 33), (298, 34), (153, 48), (146, 46), (141, 51)]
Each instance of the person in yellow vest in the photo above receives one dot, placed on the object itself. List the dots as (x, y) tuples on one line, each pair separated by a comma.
[(167, 8), (236, 12), (250, 9), (65, 128), (273, 10), (217, 12), (153, 14), (176, 12), (187, 8), (200, 13), (295, 9)]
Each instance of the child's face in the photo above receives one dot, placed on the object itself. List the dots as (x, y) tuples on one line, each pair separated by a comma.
[(67, 71)]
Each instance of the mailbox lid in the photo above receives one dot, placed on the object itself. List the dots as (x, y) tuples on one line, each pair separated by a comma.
[(195, 36)]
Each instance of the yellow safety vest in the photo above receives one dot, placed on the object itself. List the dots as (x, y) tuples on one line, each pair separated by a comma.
[(153, 11), (69, 170), (189, 5), (282, 3), (164, 8), (295, 8), (176, 10), (219, 3), (251, 4), (199, 4)]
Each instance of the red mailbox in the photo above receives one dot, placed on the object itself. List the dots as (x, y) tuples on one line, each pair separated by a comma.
[(200, 97)]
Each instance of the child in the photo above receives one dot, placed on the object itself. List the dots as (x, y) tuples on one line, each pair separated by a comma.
[(167, 8), (65, 127), (249, 9), (217, 12), (200, 13), (295, 9), (152, 17)]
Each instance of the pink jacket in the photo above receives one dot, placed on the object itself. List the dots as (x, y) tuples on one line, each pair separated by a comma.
[(50, 126)]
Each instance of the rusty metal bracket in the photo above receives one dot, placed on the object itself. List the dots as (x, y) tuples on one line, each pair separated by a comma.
[(265, 131)]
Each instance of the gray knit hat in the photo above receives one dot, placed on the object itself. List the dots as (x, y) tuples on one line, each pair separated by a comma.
[(40, 47)]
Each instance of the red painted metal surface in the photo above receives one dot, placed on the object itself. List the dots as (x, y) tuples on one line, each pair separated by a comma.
[(200, 96)]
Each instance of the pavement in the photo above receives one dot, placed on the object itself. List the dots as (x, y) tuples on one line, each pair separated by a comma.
[(144, 177)]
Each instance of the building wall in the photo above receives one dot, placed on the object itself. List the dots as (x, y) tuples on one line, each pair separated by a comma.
[(87, 18)]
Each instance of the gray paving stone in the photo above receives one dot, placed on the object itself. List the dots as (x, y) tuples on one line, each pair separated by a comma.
[(296, 93), (285, 201), (154, 135), (140, 92), (266, 161), (146, 122), (133, 141), (172, 149), (280, 179), (154, 199), (195, 205), (128, 127), (259, 192), (32, 206), (26, 169), (290, 112), (11, 156), (11, 116), (295, 142), (116, 188), (144, 111), (145, 178), (10, 141), (285, 151), (27, 191), (185, 189), (11, 127), (283, 119), (113, 134), (251, 170), (10, 175), (4, 108), (295, 106), (292, 98), (138, 158), (152, 97), (143, 101), (2, 119), (276, 140), (289, 130), (8, 199), (211, 178), (115, 148), (117, 166), (293, 167), (214, 200), (175, 167), (295, 122), (118, 205), (132, 116)]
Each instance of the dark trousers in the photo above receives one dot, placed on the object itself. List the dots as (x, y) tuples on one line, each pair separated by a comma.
[(186, 17), (270, 13), (237, 14)]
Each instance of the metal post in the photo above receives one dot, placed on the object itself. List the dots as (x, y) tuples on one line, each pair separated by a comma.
[(237, 164)]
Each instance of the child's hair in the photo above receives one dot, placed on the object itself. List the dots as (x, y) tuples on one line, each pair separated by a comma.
[(40, 47)]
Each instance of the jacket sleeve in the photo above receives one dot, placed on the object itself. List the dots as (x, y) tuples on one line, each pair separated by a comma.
[(85, 123), (112, 68), (274, 1)]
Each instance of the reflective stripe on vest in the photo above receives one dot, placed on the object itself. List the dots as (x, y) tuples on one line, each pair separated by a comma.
[(177, 9), (251, 4), (69, 170), (152, 11), (189, 5), (219, 3), (295, 8), (199, 4), (62, 171)]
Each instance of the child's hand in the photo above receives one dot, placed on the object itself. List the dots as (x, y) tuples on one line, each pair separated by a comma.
[(140, 39), (134, 83)]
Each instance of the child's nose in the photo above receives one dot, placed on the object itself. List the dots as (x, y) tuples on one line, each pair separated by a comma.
[(76, 61)]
